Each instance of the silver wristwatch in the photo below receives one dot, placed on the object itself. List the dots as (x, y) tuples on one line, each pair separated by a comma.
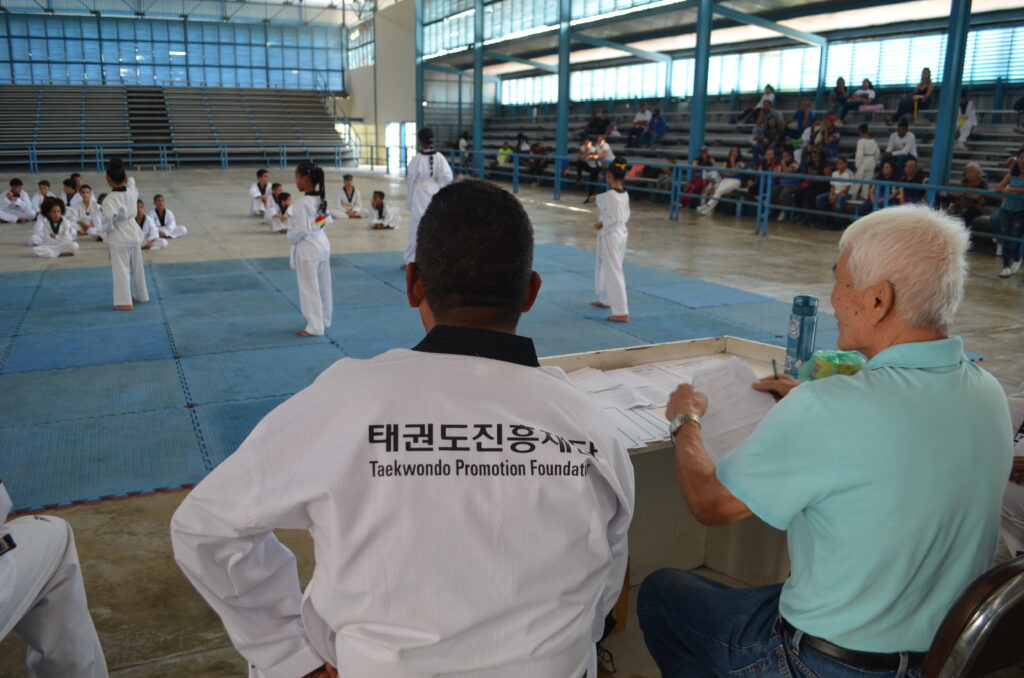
[(678, 421)]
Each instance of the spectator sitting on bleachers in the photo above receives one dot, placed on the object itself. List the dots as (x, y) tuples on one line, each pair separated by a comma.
[(522, 144), (656, 129), (839, 96), (802, 118), (879, 197), (503, 159), (753, 114), (771, 136), (815, 164), (919, 99), (640, 120), (902, 144), (966, 121), (830, 136), (866, 159), (726, 182), (865, 96), (767, 112), (911, 175), (598, 125), (968, 206), (464, 147), (769, 162), (812, 136), (784, 188), (537, 165), (838, 189), (696, 183)]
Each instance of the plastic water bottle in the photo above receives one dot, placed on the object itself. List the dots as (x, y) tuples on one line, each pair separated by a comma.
[(803, 323)]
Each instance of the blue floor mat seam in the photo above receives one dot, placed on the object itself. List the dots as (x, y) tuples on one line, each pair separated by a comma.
[(21, 321), (97, 417), (263, 274)]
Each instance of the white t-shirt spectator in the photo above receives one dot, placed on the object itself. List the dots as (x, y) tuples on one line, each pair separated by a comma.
[(869, 93), (840, 185), (642, 117), (905, 145)]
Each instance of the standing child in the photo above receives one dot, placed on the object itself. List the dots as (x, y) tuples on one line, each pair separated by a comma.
[(426, 174), (381, 215), (124, 238), (311, 250), (609, 279), (283, 213), (85, 216), (258, 195), (54, 235), (166, 225), (866, 159), (151, 239), (350, 203)]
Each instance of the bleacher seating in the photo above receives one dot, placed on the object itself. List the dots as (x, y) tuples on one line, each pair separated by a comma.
[(193, 125)]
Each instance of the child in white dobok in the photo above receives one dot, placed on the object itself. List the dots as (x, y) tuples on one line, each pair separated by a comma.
[(381, 216), (350, 203), (124, 238), (311, 250), (280, 213), (259, 194), (613, 210), (426, 174), (86, 214), (166, 225), (54, 235), (151, 239)]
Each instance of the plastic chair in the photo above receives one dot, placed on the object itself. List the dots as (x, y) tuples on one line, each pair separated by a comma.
[(982, 631)]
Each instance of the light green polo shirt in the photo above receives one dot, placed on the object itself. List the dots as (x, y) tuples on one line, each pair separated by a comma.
[(889, 485)]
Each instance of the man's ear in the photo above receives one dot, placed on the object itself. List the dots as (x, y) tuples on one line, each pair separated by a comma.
[(882, 301), (532, 290), (414, 286)]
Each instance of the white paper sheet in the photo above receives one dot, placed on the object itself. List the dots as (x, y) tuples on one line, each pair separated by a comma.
[(592, 381), (652, 384), (621, 397), (734, 408)]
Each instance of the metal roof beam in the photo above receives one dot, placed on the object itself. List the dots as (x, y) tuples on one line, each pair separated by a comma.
[(600, 42), (550, 68), (800, 36)]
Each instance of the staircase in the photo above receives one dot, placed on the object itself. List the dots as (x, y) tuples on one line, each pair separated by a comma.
[(147, 115)]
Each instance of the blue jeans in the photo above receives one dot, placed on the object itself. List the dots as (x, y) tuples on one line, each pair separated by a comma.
[(821, 202), (1009, 224), (698, 628), (649, 138)]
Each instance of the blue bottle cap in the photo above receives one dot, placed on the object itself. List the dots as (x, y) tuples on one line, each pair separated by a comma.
[(805, 304)]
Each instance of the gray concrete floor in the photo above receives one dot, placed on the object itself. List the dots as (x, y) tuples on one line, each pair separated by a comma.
[(152, 623)]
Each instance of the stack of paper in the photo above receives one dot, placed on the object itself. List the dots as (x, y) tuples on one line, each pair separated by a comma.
[(628, 395)]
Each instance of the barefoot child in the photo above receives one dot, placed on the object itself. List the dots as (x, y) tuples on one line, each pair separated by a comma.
[(311, 250), (166, 225), (350, 203), (123, 237), (54, 236), (85, 215), (613, 210), (425, 175), (381, 215)]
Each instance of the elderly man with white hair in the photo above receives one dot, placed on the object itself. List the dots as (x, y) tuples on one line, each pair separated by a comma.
[(888, 483)]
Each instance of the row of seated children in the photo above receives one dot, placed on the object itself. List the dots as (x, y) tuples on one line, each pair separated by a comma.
[(273, 205)]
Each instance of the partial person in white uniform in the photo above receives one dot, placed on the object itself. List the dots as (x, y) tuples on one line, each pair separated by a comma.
[(380, 214), (53, 235), (866, 160), (469, 508), (350, 203), (86, 216), (613, 211), (425, 175), (70, 193), (281, 213), (966, 121), (1012, 522), (273, 205), (15, 205), (166, 225), (311, 250), (124, 238), (42, 194), (259, 195), (151, 239), (42, 597)]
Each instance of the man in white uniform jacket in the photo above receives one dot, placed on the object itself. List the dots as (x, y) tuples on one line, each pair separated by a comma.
[(42, 598), (469, 508)]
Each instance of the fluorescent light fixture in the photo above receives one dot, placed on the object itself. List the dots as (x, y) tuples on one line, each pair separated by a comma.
[(454, 17), (521, 34), (623, 12), (178, 53)]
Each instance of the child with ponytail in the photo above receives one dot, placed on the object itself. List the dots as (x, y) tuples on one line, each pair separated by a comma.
[(426, 174), (613, 210), (311, 250)]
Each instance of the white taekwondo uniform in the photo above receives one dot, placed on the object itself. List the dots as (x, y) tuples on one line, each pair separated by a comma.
[(386, 217), (49, 240), (38, 198), (124, 239), (18, 208), (71, 201), (167, 225), (150, 233), (609, 279), (426, 174), (273, 212), (1012, 523), (311, 259), (469, 511), (257, 207), (42, 598), (866, 159), (91, 214), (346, 203)]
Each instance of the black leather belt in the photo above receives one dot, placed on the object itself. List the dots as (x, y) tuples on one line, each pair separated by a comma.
[(868, 661)]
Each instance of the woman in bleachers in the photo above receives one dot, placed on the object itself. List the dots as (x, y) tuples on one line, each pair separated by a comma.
[(922, 94), (727, 181), (815, 164), (830, 136), (839, 96), (751, 114), (865, 96), (784, 188), (968, 206), (772, 136), (877, 194)]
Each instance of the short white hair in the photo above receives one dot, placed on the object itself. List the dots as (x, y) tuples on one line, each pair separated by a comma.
[(921, 251)]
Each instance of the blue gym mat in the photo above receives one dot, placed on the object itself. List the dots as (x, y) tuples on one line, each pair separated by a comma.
[(97, 403)]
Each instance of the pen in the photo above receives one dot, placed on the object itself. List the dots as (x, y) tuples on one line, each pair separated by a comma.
[(775, 368)]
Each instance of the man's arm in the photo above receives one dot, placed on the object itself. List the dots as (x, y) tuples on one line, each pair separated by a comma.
[(708, 500)]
